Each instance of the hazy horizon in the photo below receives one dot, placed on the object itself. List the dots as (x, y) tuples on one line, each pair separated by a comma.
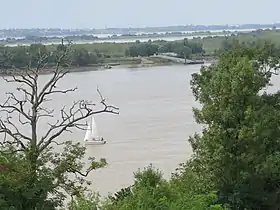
[(130, 13), (152, 26)]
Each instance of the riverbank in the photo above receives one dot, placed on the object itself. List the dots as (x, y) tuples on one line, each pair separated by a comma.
[(138, 63)]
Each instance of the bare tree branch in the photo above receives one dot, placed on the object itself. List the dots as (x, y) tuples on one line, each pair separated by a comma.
[(23, 80), (107, 107), (29, 107), (13, 104), (58, 74), (82, 174), (16, 135), (78, 111)]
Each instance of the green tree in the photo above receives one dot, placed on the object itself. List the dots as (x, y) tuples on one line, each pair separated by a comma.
[(184, 49), (238, 149), (82, 202), (20, 58), (183, 52), (81, 57), (142, 49), (34, 175), (37, 51), (151, 191)]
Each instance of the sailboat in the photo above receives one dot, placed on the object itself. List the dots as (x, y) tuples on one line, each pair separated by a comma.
[(91, 136)]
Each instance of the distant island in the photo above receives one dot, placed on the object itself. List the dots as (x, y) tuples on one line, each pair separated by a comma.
[(82, 36), (83, 39), (52, 32)]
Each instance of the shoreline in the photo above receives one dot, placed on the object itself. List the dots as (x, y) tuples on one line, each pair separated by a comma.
[(121, 66), (127, 62), (93, 68)]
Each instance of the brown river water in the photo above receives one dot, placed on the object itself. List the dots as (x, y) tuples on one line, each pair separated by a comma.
[(153, 126)]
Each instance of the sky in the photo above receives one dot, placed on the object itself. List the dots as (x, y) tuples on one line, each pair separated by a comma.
[(132, 13)]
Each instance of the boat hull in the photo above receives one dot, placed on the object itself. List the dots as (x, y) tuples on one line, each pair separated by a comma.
[(95, 142)]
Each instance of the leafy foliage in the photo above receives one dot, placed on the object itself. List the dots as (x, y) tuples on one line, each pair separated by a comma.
[(142, 49), (239, 147), (183, 49), (82, 202), (151, 191)]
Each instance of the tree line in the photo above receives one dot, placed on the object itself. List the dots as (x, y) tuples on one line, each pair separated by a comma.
[(23, 56), (183, 49), (234, 165), (229, 43)]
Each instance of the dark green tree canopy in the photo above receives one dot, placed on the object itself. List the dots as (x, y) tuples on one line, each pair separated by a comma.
[(239, 147)]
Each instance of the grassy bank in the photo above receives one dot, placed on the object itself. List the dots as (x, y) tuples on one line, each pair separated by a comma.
[(114, 49), (210, 44)]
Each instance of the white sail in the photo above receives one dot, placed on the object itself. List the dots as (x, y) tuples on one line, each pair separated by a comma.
[(92, 137), (94, 131), (88, 133)]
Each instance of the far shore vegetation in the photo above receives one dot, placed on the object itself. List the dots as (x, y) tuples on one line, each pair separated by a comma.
[(138, 54)]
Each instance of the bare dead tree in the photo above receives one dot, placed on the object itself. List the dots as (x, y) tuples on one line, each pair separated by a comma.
[(29, 107)]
